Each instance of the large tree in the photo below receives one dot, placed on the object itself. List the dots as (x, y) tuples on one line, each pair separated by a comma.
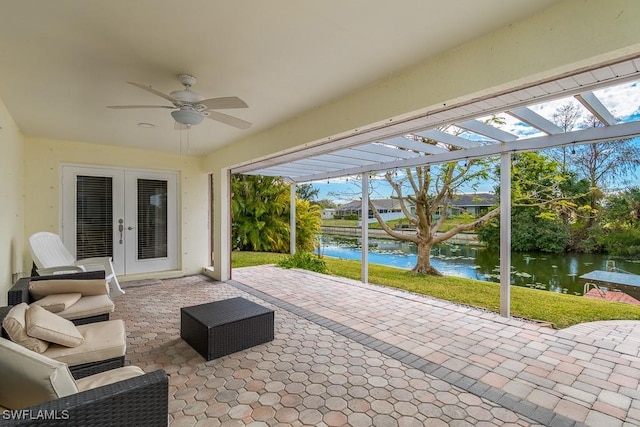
[(536, 192), (603, 164), (566, 117), (539, 202), (430, 190), (307, 192)]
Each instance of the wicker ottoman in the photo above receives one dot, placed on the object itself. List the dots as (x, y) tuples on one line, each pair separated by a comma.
[(223, 327)]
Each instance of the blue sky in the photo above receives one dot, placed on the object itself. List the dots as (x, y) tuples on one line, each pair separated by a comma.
[(622, 101), (344, 190)]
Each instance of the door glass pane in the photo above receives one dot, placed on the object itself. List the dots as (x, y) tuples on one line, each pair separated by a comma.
[(152, 218), (94, 216)]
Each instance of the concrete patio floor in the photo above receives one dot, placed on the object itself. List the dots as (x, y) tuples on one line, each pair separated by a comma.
[(346, 353)]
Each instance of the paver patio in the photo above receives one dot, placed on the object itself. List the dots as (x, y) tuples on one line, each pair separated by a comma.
[(347, 353)]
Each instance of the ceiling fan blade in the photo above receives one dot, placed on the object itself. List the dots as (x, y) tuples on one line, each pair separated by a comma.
[(122, 107), (229, 120), (223, 103), (156, 92)]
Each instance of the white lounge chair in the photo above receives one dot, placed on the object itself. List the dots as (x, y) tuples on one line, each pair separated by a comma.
[(51, 257)]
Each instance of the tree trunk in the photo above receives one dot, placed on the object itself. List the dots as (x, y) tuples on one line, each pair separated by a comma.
[(423, 265), (592, 215)]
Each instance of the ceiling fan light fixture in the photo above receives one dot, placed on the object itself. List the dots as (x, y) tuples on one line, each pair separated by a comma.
[(191, 107), (187, 117)]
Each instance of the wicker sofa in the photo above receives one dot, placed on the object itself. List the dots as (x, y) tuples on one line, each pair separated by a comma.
[(125, 396), (100, 306)]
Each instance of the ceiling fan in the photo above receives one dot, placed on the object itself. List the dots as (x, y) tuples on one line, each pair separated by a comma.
[(191, 108)]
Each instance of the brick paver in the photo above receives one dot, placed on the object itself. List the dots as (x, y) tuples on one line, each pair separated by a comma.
[(346, 353)]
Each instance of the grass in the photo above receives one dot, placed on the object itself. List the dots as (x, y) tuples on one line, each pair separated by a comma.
[(249, 259), (448, 224), (340, 222), (560, 310)]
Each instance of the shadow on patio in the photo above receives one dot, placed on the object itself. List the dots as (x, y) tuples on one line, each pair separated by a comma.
[(346, 353)]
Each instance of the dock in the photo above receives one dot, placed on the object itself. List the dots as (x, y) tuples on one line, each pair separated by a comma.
[(612, 296), (612, 286)]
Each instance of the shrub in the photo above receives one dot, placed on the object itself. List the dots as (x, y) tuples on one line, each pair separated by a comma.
[(304, 260), (529, 232), (625, 243)]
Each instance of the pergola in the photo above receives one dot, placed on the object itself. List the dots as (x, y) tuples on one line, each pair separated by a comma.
[(398, 144)]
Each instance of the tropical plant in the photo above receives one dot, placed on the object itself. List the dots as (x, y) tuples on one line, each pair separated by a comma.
[(260, 216), (308, 225)]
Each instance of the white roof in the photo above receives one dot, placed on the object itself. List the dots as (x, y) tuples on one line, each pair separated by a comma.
[(468, 135)]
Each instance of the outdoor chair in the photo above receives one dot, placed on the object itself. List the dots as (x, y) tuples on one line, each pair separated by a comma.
[(37, 390), (87, 349), (87, 309), (51, 257)]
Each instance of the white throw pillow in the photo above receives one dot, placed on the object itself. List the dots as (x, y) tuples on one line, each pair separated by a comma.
[(44, 325), (15, 325)]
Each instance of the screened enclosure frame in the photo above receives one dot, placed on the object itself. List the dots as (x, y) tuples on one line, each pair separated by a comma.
[(424, 140)]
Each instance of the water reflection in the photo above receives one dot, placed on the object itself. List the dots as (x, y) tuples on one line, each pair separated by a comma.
[(556, 273)]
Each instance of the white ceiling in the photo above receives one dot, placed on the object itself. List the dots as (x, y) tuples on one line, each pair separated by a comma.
[(62, 62)]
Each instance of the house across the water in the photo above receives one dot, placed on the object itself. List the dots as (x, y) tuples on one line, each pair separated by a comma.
[(475, 204)]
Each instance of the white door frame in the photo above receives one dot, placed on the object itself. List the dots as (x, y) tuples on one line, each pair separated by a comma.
[(124, 207), (132, 263)]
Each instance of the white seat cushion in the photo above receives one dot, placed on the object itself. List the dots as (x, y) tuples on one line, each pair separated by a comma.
[(108, 377), (88, 306), (58, 302), (102, 340)]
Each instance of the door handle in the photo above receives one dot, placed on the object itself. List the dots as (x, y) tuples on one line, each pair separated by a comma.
[(130, 228), (120, 229)]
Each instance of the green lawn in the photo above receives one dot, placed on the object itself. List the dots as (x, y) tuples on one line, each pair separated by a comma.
[(448, 224), (340, 222), (558, 309)]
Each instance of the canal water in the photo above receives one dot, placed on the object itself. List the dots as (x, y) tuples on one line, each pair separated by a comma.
[(553, 272)]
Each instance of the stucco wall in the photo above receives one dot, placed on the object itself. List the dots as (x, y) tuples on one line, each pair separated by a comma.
[(11, 213), (42, 177), (569, 36)]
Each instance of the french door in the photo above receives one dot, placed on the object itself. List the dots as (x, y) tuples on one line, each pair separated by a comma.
[(130, 215)]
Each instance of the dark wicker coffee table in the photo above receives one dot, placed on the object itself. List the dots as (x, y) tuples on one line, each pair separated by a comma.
[(223, 327)]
